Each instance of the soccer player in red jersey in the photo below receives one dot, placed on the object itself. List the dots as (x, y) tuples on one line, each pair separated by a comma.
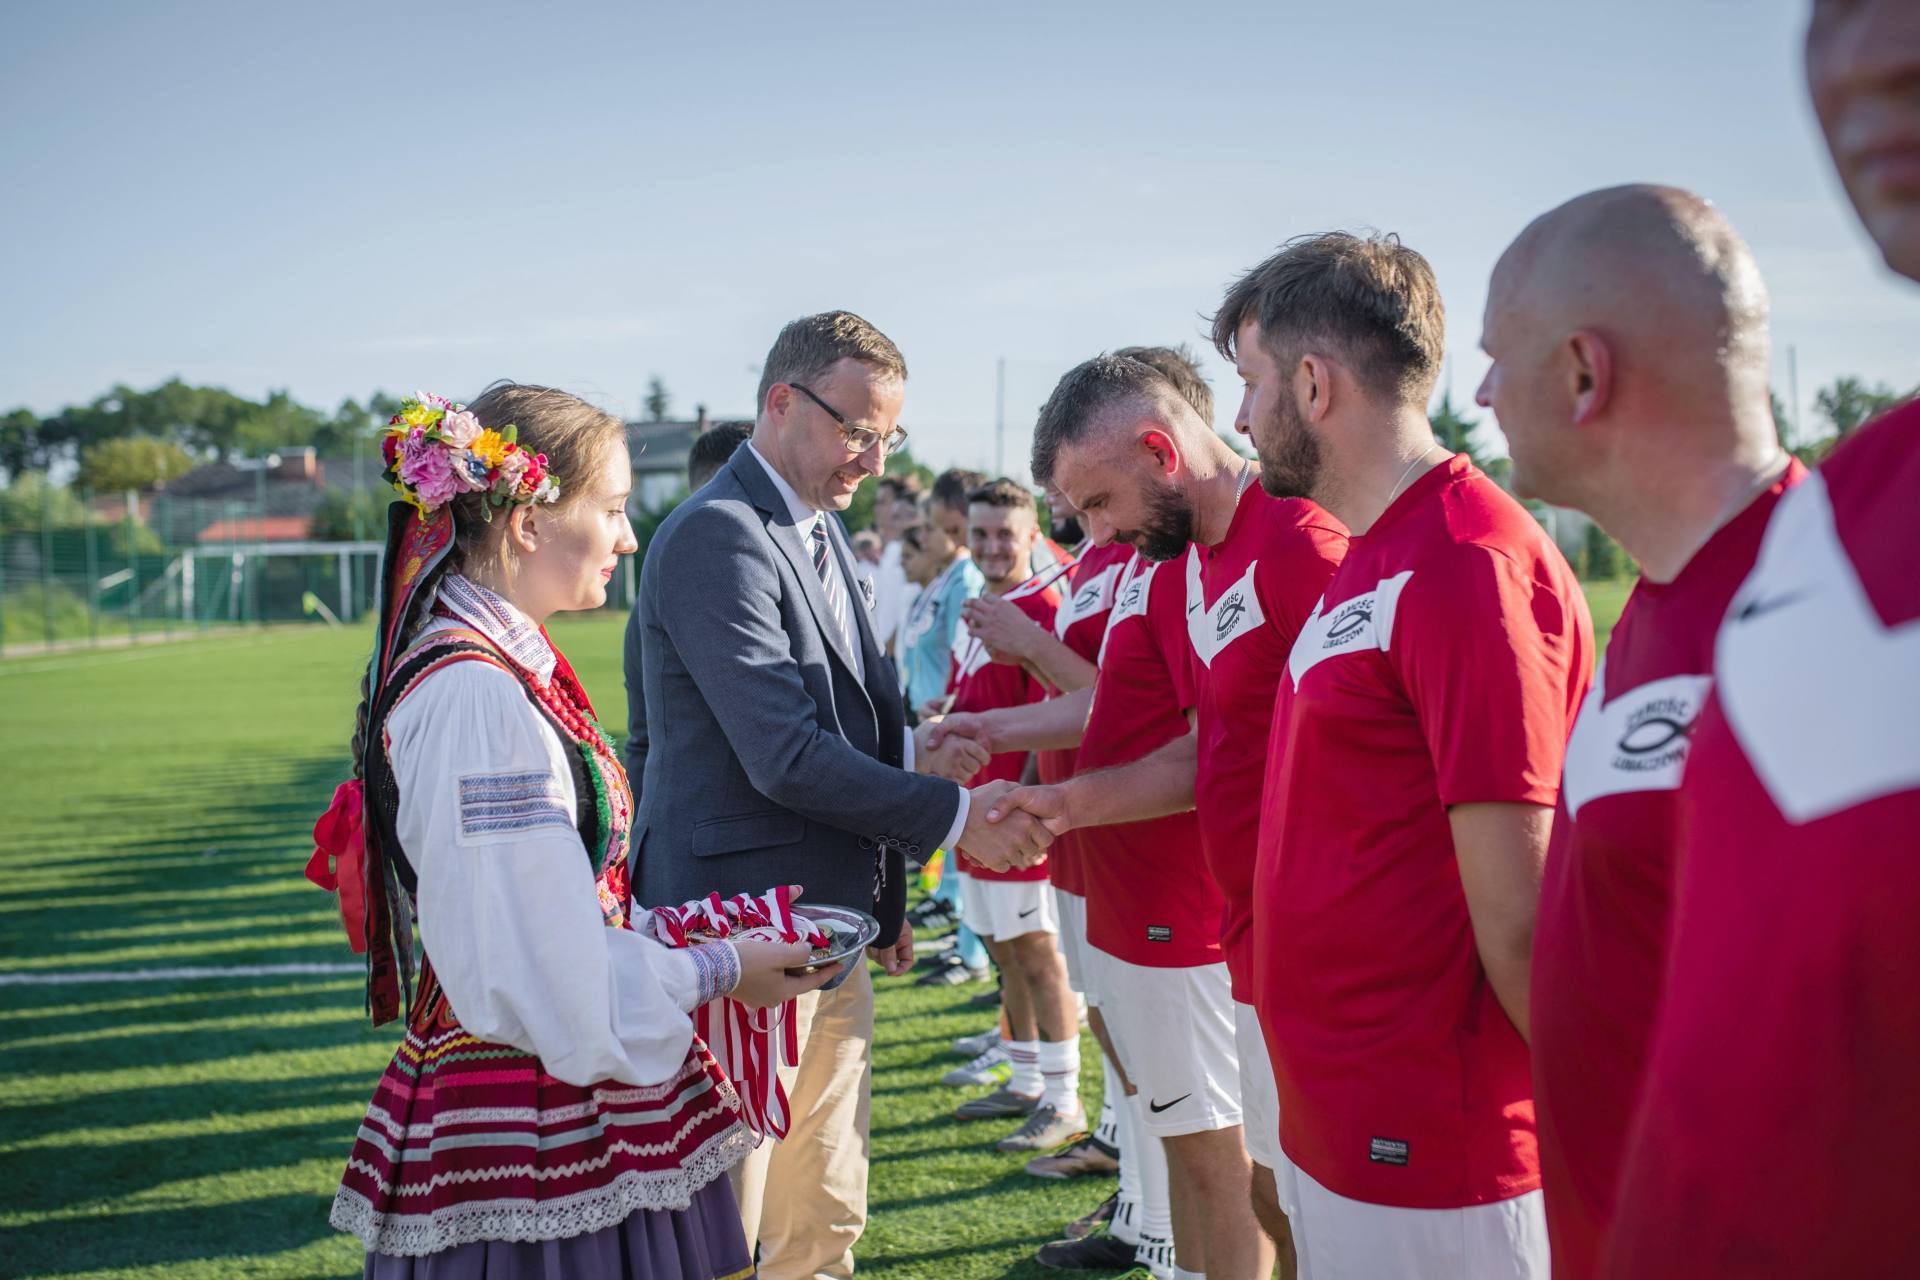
[(1628, 330), (1416, 753), (1011, 909), (1144, 469), (1153, 927), (1780, 1100)]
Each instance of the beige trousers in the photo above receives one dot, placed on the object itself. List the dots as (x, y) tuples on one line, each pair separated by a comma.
[(804, 1199)]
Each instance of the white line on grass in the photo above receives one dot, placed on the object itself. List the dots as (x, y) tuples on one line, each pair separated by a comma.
[(173, 975), (231, 971)]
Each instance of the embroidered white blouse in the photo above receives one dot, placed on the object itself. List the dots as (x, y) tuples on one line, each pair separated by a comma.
[(508, 908)]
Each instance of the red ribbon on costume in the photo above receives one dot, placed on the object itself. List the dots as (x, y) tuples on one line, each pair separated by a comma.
[(741, 1039), (339, 858)]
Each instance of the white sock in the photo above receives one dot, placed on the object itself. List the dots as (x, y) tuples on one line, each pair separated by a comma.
[(1181, 1273), (1125, 1226), (1156, 1194), (1109, 1128), (1060, 1070), (1155, 1253), (1025, 1056)]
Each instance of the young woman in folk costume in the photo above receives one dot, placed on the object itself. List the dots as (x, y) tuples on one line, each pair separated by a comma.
[(550, 1111)]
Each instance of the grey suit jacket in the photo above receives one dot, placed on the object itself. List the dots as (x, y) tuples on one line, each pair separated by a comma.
[(768, 762)]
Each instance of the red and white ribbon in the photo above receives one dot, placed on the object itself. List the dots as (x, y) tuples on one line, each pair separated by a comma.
[(741, 1039)]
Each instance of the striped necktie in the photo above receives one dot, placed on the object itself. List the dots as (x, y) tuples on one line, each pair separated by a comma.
[(829, 580)]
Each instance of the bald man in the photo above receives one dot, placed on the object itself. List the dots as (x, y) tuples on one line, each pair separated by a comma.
[(1628, 330), (1780, 1102)]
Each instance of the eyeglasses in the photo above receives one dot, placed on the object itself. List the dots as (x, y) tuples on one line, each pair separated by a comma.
[(859, 439)]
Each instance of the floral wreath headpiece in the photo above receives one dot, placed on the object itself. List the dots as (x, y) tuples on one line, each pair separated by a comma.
[(436, 451)]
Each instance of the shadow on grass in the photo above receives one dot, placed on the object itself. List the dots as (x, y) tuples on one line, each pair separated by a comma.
[(150, 1237)]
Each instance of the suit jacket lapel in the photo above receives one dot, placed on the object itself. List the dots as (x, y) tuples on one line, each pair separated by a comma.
[(792, 543)]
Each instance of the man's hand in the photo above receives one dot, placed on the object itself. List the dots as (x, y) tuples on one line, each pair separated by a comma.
[(1044, 805), (956, 758), (898, 958), (999, 624), (1016, 839), (961, 724)]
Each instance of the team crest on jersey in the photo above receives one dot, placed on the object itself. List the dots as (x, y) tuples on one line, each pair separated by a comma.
[(1235, 614), (1821, 694), (1092, 597), (1632, 741), (1358, 624)]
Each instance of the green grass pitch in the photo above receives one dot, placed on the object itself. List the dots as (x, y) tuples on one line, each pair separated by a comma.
[(196, 1128)]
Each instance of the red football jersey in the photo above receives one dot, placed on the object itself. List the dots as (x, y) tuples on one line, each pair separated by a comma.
[(980, 684), (1600, 941), (1780, 1095), (1150, 898), (1080, 623), (1246, 600), (1444, 666)]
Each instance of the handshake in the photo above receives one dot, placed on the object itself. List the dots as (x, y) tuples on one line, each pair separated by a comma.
[(1008, 826)]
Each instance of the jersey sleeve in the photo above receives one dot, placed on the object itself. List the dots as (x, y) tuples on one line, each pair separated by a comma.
[(1292, 578), (508, 909), (1488, 655)]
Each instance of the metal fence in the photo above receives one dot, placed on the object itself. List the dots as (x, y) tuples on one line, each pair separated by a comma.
[(79, 571)]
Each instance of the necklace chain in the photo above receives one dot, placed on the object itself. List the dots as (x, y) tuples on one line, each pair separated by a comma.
[(1409, 471)]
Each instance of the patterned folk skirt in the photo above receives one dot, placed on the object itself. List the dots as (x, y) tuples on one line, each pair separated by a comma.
[(468, 1143)]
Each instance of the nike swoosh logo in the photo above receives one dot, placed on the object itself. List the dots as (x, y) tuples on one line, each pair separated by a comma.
[(1158, 1107), (1029, 911), (1755, 608)]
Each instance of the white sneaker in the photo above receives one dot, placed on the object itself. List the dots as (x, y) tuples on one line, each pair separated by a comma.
[(991, 1066), (974, 1045)]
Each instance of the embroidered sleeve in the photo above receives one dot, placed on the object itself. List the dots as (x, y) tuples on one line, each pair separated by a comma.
[(493, 804)]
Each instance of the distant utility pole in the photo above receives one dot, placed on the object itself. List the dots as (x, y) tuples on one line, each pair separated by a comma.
[(1793, 389), (1000, 418)]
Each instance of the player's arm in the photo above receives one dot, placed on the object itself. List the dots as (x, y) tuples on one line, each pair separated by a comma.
[(1501, 849), (1157, 784), (1056, 724), (1009, 633)]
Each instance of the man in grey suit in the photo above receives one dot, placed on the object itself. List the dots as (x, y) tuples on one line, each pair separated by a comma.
[(779, 751)]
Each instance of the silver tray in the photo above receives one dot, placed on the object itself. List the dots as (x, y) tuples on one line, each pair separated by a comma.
[(852, 930)]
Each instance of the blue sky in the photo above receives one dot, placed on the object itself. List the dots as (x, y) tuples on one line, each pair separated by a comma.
[(342, 197)]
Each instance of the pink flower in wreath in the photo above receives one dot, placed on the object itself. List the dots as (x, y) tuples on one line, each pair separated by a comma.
[(460, 429), (512, 468), (429, 469)]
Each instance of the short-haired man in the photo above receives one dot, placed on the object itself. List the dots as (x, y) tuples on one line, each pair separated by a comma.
[(1779, 1100), (1012, 909), (710, 451), (1628, 330), (1101, 884), (1143, 468), (1416, 755), (781, 752)]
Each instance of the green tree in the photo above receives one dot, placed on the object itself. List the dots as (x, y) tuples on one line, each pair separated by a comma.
[(131, 462), (1849, 402), (1455, 431), (1600, 558), (351, 515), (21, 449), (32, 498), (659, 399), (1782, 427)]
